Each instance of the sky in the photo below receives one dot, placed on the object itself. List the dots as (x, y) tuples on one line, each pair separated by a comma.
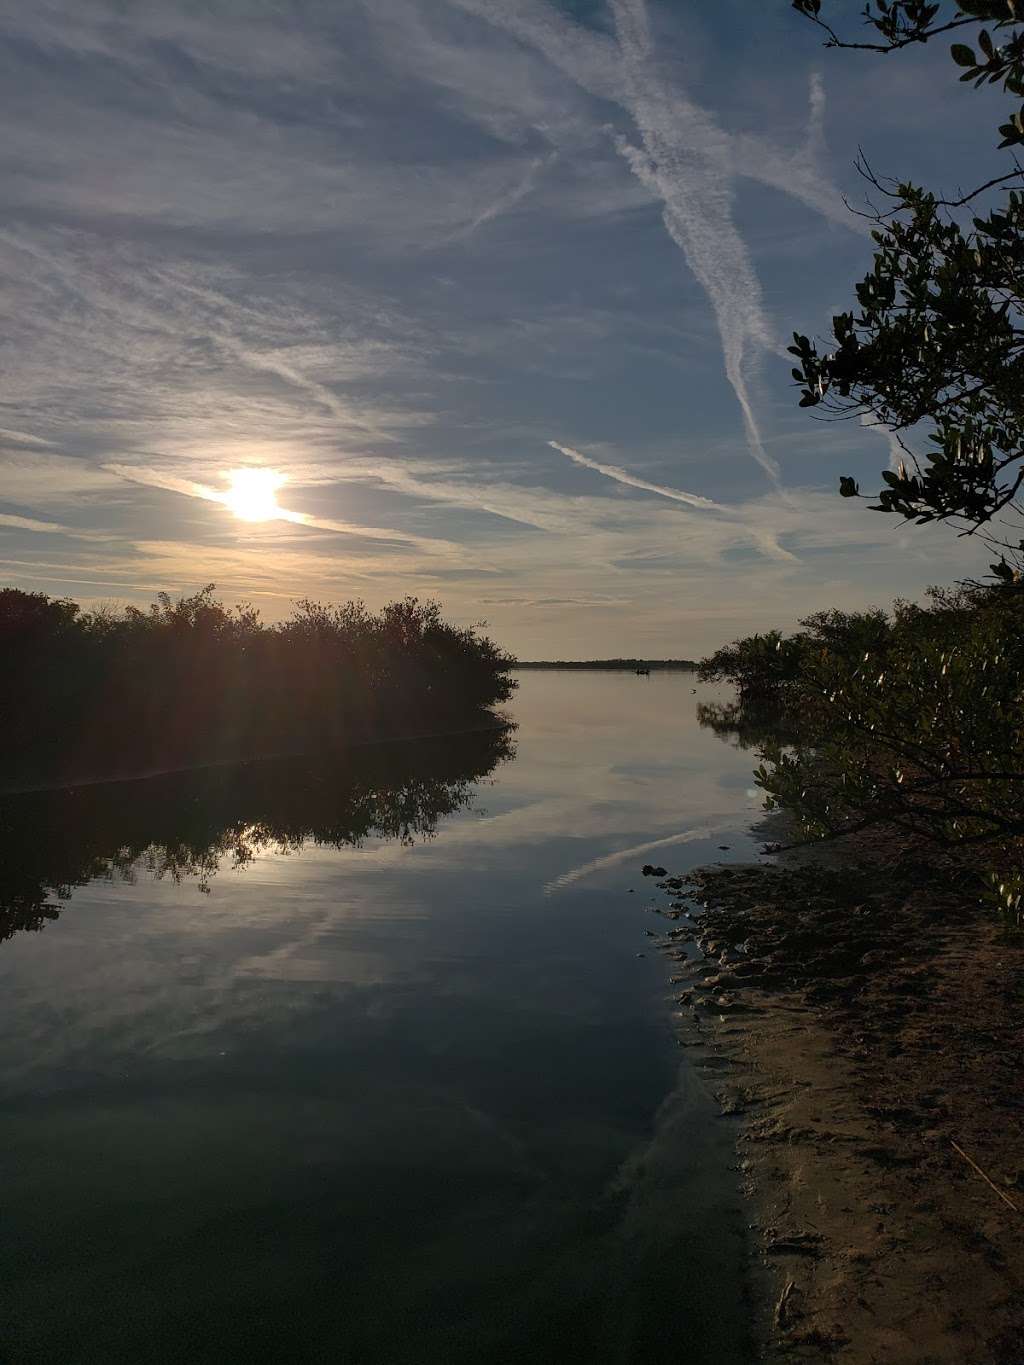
[(495, 292)]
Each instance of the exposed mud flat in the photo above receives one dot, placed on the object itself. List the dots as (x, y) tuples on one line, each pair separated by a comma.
[(863, 1017)]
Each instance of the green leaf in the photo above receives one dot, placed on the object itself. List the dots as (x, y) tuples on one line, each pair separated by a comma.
[(963, 55)]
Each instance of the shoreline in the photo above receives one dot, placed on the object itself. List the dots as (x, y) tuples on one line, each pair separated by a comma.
[(861, 1021), (239, 760)]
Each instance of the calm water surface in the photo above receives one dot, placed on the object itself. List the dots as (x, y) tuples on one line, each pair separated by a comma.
[(371, 1065)]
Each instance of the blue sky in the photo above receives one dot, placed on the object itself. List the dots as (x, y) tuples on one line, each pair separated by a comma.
[(502, 288)]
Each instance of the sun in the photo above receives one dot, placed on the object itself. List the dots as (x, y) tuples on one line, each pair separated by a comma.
[(252, 494)]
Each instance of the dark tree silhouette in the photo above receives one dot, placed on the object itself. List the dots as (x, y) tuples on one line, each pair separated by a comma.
[(934, 350), (87, 694)]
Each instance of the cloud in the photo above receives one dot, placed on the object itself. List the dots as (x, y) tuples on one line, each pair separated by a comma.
[(583, 600), (39, 477), (172, 483), (21, 439), (510, 199), (250, 42), (685, 158), (611, 471), (625, 855), (897, 455), (689, 163), (411, 242), (799, 173), (31, 524)]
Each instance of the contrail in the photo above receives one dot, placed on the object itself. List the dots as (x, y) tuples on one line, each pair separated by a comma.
[(762, 536), (191, 489), (508, 200), (688, 162), (21, 438), (31, 524), (613, 471), (624, 854), (897, 455), (816, 122)]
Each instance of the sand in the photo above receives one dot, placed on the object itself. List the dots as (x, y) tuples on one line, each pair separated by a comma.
[(864, 1018)]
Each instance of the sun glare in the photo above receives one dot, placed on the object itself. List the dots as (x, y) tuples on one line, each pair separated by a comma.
[(252, 494)]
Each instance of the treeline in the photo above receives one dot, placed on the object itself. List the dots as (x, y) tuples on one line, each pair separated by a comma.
[(112, 690), (912, 719), (653, 665), (185, 826)]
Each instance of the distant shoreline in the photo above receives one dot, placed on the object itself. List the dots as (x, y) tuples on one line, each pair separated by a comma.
[(612, 665)]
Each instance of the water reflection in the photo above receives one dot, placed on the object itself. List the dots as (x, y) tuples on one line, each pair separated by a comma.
[(189, 825), (380, 1103), (745, 727)]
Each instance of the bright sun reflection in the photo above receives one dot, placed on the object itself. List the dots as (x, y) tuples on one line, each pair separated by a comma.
[(252, 494)]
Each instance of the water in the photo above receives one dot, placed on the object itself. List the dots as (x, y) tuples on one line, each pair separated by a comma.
[(371, 1063)]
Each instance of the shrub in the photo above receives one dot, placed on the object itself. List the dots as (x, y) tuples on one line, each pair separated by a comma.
[(192, 678)]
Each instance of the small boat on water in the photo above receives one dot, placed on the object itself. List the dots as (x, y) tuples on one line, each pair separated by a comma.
[(643, 673)]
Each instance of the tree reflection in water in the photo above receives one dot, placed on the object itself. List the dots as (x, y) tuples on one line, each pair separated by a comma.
[(188, 825), (747, 727)]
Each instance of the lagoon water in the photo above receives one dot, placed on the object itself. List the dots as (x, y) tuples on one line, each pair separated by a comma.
[(372, 1061)]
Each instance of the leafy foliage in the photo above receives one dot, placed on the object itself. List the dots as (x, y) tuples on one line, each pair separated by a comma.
[(769, 670), (900, 23), (912, 720), (761, 667), (190, 680), (937, 336)]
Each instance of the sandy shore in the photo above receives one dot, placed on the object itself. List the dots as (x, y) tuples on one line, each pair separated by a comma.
[(864, 1017)]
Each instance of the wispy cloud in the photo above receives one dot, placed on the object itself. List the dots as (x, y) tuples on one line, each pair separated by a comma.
[(155, 478), (625, 855), (897, 455), (689, 163), (39, 478), (685, 158), (387, 248), (612, 471), (18, 439), (31, 524), (507, 201)]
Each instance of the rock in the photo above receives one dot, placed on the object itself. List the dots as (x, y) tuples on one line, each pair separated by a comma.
[(725, 1004), (794, 1244)]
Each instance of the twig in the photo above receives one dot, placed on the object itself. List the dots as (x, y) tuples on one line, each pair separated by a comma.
[(975, 1167), (781, 1306), (959, 203), (833, 39)]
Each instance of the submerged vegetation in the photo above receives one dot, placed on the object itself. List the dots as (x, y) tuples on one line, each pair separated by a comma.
[(106, 691)]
